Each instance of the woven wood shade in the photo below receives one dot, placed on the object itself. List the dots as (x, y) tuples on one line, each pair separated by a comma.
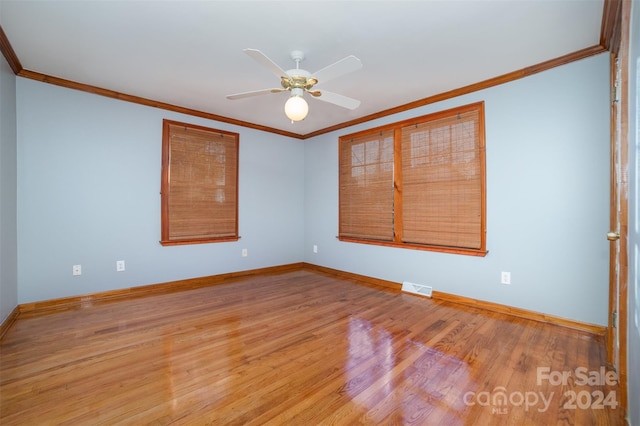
[(442, 182), (418, 183), (199, 184), (366, 187)]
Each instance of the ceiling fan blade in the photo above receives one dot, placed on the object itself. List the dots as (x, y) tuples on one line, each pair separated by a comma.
[(262, 59), (254, 93), (342, 67), (334, 98)]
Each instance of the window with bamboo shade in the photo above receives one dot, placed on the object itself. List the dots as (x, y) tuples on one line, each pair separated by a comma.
[(199, 189), (419, 183)]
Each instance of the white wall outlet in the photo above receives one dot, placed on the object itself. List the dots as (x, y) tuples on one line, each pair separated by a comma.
[(77, 270), (120, 265), (315, 248), (245, 253), (505, 277)]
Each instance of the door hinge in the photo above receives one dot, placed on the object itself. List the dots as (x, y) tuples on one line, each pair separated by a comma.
[(615, 90), (614, 319)]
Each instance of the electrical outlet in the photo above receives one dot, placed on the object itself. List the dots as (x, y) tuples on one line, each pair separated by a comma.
[(120, 265), (77, 270), (315, 248), (505, 277), (245, 253)]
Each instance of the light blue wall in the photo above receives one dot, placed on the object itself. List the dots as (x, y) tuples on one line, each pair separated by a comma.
[(8, 197), (547, 139), (633, 337), (89, 194)]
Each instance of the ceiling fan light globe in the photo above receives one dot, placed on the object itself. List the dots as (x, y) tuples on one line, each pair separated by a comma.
[(296, 108)]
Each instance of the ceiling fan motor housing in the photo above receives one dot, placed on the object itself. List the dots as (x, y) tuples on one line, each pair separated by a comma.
[(298, 78)]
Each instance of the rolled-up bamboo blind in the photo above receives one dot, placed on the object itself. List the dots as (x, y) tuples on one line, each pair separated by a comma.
[(199, 184)]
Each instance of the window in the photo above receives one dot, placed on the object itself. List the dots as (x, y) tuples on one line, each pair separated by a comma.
[(418, 184), (199, 189)]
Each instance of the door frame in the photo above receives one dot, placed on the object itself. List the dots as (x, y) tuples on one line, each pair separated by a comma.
[(619, 203)]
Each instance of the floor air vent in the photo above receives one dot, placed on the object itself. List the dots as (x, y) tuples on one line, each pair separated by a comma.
[(419, 289)]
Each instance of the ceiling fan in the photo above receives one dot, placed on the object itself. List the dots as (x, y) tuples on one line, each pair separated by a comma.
[(298, 81)]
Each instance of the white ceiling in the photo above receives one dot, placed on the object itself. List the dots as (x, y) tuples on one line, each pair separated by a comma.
[(190, 53)]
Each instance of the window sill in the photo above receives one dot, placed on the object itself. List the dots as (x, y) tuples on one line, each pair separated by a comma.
[(440, 249), (198, 241)]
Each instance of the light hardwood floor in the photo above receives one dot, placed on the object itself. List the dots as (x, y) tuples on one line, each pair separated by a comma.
[(296, 348)]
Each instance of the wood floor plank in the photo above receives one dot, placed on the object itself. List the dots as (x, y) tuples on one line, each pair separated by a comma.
[(298, 348)]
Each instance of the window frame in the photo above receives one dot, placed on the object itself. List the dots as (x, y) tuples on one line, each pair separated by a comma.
[(165, 189), (398, 206)]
